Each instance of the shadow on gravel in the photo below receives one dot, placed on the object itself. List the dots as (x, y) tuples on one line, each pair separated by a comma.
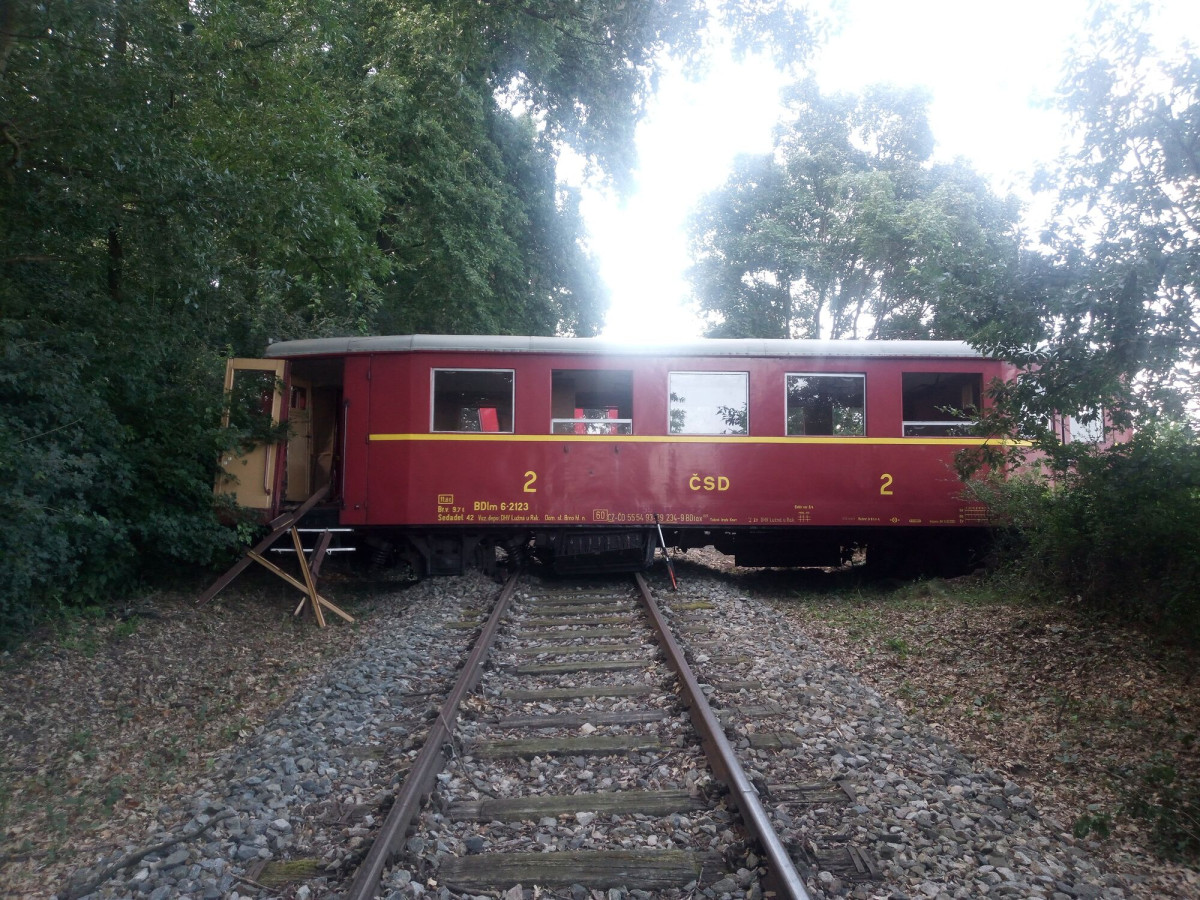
[(851, 579)]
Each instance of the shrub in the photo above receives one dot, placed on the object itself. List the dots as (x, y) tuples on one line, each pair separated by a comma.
[(1121, 529), (107, 471), (1155, 793)]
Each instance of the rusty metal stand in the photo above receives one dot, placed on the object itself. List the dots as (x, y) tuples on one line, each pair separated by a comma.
[(310, 569)]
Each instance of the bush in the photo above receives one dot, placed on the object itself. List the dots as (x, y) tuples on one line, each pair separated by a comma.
[(1121, 529), (106, 474)]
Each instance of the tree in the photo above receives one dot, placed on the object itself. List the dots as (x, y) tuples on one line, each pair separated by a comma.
[(1104, 323), (468, 104), (848, 230), (1116, 301), (184, 182)]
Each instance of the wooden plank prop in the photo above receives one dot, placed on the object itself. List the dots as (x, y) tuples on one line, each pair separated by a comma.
[(310, 569)]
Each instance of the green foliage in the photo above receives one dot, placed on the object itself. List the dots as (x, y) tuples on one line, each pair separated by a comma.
[(1103, 324), (180, 183), (127, 628), (114, 792), (1108, 316), (1121, 529), (848, 230), (1097, 823), (1154, 792)]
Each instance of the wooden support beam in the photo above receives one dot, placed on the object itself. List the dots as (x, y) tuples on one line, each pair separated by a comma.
[(279, 527), (319, 551), (301, 587), (310, 592), (309, 568)]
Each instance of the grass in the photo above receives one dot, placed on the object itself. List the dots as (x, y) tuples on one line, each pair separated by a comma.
[(127, 628)]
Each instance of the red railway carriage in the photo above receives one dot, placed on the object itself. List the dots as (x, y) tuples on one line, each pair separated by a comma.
[(780, 452)]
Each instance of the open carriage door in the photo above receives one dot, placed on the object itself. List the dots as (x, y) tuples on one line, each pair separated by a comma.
[(261, 395), (255, 390)]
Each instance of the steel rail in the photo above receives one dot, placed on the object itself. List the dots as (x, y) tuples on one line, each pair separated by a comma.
[(418, 784), (781, 871)]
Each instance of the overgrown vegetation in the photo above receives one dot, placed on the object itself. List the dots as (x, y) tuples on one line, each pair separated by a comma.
[(1169, 802), (180, 183), (848, 229), (1106, 328), (1119, 530)]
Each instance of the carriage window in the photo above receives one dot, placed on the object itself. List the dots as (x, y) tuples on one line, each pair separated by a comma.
[(473, 400), (591, 401), (709, 403), (1085, 428), (826, 404), (940, 404)]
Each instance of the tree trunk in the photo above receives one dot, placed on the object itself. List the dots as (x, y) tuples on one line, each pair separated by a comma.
[(8, 31), (785, 305), (116, 255), (120, 30), (816, 316)]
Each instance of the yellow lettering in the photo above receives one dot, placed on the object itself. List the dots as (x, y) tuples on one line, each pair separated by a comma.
[(709, 482), (694, 482), (885, 489), (530, 480), (722, 483)]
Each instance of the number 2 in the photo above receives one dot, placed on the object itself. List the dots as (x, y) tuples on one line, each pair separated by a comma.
[(530, 480), (885, 489)]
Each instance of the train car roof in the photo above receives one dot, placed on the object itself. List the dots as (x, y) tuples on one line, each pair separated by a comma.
[(408, 343)]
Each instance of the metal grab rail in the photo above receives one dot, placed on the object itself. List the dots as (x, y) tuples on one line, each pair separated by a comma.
[(592, 426), (941, 427)]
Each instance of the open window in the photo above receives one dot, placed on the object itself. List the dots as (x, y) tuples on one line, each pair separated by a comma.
[(941, 404), (1086, 427), (591, 401), (709, 403), (826, 404), (473, 400)]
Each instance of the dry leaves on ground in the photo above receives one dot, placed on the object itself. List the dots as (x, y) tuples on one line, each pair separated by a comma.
[(106, 724), (1088, 714)]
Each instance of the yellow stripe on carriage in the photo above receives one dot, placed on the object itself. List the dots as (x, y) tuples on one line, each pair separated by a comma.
[(490, 437)]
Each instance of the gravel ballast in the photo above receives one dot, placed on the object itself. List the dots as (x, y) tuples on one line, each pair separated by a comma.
[(313, 780), (939, 827)]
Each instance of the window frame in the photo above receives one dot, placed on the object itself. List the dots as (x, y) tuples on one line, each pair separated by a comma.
[(787, 394), (433, 373), (745, 374), (949, 428), (1093, 433), (600, 424)]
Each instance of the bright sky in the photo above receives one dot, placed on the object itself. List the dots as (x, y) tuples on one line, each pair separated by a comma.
[(988, 65)]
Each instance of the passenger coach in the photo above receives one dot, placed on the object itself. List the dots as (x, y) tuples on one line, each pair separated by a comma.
[(787, 453)]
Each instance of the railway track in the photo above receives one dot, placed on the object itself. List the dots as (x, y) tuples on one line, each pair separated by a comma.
[(869, 802), (588, 759)]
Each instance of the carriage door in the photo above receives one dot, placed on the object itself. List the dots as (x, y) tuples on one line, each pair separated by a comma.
[(300, 440), (251, 468)]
